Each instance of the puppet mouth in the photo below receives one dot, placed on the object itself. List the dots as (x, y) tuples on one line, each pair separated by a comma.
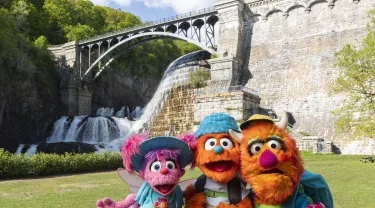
[(165, 188), (220, 166), (272, 171)]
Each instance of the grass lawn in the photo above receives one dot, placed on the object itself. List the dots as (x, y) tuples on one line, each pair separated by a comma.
[(352, 184)]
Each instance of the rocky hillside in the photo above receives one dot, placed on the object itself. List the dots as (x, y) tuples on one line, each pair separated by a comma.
[(27, 110), (116, 89)]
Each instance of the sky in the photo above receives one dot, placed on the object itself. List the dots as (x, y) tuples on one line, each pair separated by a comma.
[(154, 10)]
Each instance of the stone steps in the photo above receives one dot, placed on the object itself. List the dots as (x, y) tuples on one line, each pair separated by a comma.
[(176, 115)]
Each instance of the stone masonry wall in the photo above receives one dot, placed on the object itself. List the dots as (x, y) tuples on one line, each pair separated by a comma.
[(176, 115), (292, 56), (69, 50), (239, 104)]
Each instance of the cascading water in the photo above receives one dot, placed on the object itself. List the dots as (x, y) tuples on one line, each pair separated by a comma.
[(108, 130), (176, 74)]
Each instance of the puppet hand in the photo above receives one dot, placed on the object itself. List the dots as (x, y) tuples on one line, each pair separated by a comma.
[(245, 203), (134, 206), (106, 203), (128, 202), (189, 192), (195, 201)]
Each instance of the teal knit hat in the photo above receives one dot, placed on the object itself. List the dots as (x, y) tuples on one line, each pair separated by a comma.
[(216, 123)]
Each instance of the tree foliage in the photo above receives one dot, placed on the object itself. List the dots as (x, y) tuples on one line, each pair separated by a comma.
[(14, 48), (357, 80), (79, 19), (148, 60), (41, 42), (30, 25), (199, 77)]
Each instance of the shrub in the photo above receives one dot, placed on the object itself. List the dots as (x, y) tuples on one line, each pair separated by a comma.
[(199, 77), (42, 164)]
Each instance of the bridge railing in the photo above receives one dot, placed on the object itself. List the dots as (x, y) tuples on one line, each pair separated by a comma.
[(147, 24), (183, 16)]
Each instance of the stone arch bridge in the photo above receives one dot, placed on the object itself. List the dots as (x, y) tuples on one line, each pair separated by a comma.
[(284, 49)]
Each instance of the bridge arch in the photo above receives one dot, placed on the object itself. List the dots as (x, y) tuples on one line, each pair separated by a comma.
[(142, 38)]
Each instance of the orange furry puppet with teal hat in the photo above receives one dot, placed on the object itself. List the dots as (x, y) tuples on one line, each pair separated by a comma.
[(218, 156), (273, 168)]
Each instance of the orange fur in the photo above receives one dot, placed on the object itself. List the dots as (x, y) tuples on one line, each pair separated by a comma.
[(245, 203), (193, 199), (202, 157), (272, 188)]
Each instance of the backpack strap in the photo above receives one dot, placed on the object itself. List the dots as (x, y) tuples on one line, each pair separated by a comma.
[(251, 197), (234, 190), (200, 183), (233, 186)]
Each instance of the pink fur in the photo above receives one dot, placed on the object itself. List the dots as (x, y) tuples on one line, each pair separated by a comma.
[(190, 140), (128, 202), (130, 148), (166, 176), (171, 154), (171, 176)]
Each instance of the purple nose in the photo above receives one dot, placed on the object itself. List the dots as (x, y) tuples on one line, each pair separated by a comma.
[(268, 159)]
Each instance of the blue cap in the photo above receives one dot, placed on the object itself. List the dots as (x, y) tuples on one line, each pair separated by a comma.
[(216, 123)]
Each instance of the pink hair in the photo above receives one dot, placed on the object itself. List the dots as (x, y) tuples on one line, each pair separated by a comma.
[(130, 148), (190, 140), (153, 155)]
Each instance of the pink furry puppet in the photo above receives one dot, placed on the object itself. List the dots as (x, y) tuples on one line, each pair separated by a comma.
[(160, 163)]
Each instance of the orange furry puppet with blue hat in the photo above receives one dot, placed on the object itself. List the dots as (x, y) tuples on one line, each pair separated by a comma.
[(218, 156), (273, 168)]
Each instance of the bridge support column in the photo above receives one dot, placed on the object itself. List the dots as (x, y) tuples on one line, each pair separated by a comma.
[(76, 100), (226, 68), (69, 97), (84, 100)]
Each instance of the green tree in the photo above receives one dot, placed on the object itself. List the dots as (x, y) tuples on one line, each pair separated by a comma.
[(61, 11), (199, 77), (79, 32), (14, 47), (116, 19), (148, 60), (5, 3), (41, 42), (357, 80)]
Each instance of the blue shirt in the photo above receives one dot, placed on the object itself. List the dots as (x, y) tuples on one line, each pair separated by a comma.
[(148, 198)]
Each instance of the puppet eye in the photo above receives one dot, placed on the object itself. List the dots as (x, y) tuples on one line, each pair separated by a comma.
[(210, 144), (170, 165), (226, 143), (155, 166), (255, 148), (274, 144)]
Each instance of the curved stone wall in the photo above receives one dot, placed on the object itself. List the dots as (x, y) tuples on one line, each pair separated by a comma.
[(291, 57)]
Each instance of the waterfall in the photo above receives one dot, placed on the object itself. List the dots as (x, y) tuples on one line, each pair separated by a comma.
[(107, 112), (32, 150), (100, 129), (19, 149), (176, 74), (72, 132), (108, 130)]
